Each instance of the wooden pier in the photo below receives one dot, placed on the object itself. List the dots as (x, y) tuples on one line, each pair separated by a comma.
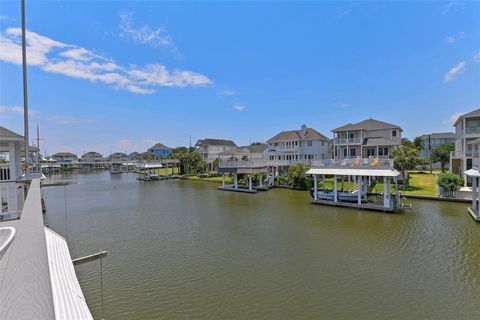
[(363, 206)]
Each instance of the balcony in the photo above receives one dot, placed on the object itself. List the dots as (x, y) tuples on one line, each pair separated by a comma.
[(347, 141), (472, 130)]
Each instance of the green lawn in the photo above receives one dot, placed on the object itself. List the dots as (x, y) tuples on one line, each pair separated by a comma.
[(228, 179), (421, 184)]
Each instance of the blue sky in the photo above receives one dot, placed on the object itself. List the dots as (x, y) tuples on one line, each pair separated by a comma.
[(118, 76)]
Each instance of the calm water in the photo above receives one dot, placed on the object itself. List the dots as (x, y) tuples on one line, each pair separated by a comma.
[(183, 250)]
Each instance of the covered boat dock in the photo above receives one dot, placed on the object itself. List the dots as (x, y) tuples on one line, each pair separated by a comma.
[(247, 169), (473, 209), (362, 178)]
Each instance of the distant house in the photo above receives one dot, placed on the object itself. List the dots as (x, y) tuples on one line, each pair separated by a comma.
[(160, 150), (66, 159), (258, 151), (211, 149), (467, 130), (91, 156), (368, 138), (134, 155), (118, 157), (295, 146), (432, 140)]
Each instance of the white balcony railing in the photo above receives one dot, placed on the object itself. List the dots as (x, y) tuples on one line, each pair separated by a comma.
[(350, 162), (347, 141), (472, 130)]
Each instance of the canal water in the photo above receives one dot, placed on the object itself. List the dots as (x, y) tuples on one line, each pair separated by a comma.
[(183, 250)]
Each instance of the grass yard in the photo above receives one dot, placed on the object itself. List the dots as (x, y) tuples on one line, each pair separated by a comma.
[(228, 179), (421, 184)]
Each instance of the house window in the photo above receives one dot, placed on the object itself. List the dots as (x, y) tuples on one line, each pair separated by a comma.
[(394, 133), (353, 152), (323, 143), (276, 144), (385, 151), (370, 152), (345, 152), (309, 143)]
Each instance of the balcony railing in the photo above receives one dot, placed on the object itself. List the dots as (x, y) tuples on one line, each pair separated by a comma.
[(349, 162), (472, 130), (347, 141)]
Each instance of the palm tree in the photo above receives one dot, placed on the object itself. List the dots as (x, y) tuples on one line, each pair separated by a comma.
[(405, 158)]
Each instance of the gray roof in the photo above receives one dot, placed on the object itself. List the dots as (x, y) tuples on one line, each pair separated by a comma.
[(369, 124), (64, 154), (215, 142), (257, 147), (92, 154), (474, 113), (307, 134), (6, 134), (438, 135), (160, 146)]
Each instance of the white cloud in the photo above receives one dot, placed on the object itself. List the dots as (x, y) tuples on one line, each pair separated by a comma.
[(124, 143), (62, 119), (5, 18), (446, 9), (154, 37), (476, 57), (239, 107), (228, 92), (454, 38), (17, 110), (77, 62), (453, 118), (454, 71)]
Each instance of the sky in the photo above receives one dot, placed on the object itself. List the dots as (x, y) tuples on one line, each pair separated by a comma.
[(120, 76)]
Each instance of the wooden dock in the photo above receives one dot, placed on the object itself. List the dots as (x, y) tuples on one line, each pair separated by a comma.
[(363, 206), (231, 188), (475, 214)]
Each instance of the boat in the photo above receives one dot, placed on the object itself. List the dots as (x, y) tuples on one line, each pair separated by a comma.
[(341, 196)]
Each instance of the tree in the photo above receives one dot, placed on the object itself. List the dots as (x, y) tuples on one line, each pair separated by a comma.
[(442, 154), (418, 143), (245, 158), (297, 178), (450, 183), (405, 158), (407, 143)]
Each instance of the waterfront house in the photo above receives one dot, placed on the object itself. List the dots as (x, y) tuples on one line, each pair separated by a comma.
[(258, 152), (118, 157), (91, 157), (432, 140), (134, 155), (210, 149), (66, 159), (368, 138), (160, 150), (297, 146), (467, 129)]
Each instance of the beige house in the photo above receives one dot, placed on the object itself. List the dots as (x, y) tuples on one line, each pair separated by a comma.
[(368, 138), (211, 149)]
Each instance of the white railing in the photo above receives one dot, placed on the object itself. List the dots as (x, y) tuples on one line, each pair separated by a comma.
[(472, 130), (350, 162), (345, 140), (4, 172)]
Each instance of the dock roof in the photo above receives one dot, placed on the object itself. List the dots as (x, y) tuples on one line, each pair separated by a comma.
[(8, 135)]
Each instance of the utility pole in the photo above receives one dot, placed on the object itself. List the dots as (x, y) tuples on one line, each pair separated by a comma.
[(25, 97)]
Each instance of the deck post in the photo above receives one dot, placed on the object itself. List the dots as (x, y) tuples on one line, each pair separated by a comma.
[(315, 187), (250, 182), (386, 200), (474, 193), (365, 188), (235, 181), (397, 194), (261, 180), (323, 182), (359, 191), (223, 180), (335, 191), (349, 178)]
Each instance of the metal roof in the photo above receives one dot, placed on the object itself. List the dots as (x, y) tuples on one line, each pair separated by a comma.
[(354, 172), (68, 299), (378, 142), (472, 173), (9, 135)]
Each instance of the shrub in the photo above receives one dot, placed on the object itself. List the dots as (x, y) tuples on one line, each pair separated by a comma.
[(450, 183)]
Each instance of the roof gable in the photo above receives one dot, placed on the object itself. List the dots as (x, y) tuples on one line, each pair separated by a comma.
[(368, 124), (302, 134), (474, 113), (6, 134)]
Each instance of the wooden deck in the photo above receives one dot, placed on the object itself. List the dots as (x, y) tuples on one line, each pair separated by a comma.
[(475, 214), (363, 206)]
